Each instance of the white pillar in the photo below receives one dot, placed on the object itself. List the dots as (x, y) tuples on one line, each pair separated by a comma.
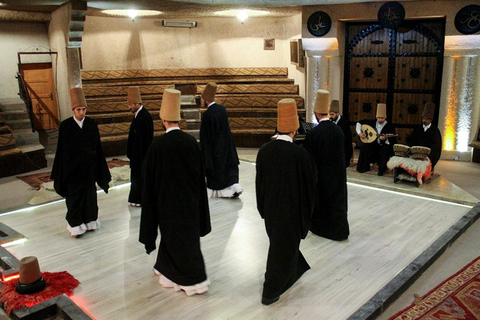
[(460, 107), (74, 72), (323, 72)]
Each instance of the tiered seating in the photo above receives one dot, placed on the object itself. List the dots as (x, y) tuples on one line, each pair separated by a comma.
[(253, 118), (249, 94)]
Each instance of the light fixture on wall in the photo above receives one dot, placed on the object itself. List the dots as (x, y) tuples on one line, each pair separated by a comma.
[(179, 23)]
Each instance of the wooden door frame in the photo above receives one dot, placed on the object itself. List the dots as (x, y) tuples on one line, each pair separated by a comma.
[(27, 98)]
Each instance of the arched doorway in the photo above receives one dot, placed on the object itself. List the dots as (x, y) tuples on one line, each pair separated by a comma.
[(401, 67)]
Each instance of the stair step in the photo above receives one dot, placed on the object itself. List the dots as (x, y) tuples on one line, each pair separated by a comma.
[(193, 124), (191, 113), (19, 124), (22, 131), (31, 147), (15, 115), (9, 104), (25, 138)]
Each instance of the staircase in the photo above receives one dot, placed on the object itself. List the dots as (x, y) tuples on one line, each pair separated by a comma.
[(191, 113), (28, 154)]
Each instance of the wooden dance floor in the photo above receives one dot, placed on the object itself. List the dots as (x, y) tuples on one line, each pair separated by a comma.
[(388, 231)]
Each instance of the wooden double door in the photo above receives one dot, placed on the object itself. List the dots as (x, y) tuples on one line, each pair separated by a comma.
[(401, 67)]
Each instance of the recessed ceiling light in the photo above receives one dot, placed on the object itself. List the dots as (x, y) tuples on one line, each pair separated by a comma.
[(248, 12), (132, 13), (242, 15), (2, 4)]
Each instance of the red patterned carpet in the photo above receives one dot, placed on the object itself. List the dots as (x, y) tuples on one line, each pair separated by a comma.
[(458, 297), (36, 180)]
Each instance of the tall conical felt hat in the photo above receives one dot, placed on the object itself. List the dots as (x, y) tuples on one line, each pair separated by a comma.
[(134, 95), (428, 110), (77, 98), (170, 109), (31, 279), (287, 120), (381, 110), (334, 106), (322, 102), (209, 91)]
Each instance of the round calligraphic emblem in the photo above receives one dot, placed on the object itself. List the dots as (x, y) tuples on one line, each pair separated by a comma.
[(319, 23), (391, 15), (467, 20)]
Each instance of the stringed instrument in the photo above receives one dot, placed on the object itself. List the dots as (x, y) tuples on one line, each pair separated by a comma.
[(372, 135)]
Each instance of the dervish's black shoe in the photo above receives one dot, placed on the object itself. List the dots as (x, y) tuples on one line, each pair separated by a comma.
[(269, 301)]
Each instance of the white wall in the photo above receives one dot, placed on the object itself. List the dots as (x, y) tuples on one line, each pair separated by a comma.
[(19, 37), (119, 43)]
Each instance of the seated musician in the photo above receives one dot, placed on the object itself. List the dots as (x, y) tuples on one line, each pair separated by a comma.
[(381, 149), (427, 134)]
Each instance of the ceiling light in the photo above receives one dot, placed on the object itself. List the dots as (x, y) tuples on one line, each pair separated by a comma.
[(132, 13), (242, 16), (249, 13)]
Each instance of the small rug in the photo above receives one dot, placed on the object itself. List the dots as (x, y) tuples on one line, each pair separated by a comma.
[(36, 180), (46, 193), (458, 297), (57, 283)]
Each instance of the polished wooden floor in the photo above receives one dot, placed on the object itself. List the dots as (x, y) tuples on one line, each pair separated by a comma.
[(388, 230)]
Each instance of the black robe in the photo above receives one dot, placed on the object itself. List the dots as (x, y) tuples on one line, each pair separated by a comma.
[(139, 138), (325, 143), (218, 148), (431, 138), (375, 152), (175, 200), (79, 163), (285, 189), (343, 123)]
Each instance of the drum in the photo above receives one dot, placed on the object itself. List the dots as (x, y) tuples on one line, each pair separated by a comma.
[(420, 153), (401, 150)]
